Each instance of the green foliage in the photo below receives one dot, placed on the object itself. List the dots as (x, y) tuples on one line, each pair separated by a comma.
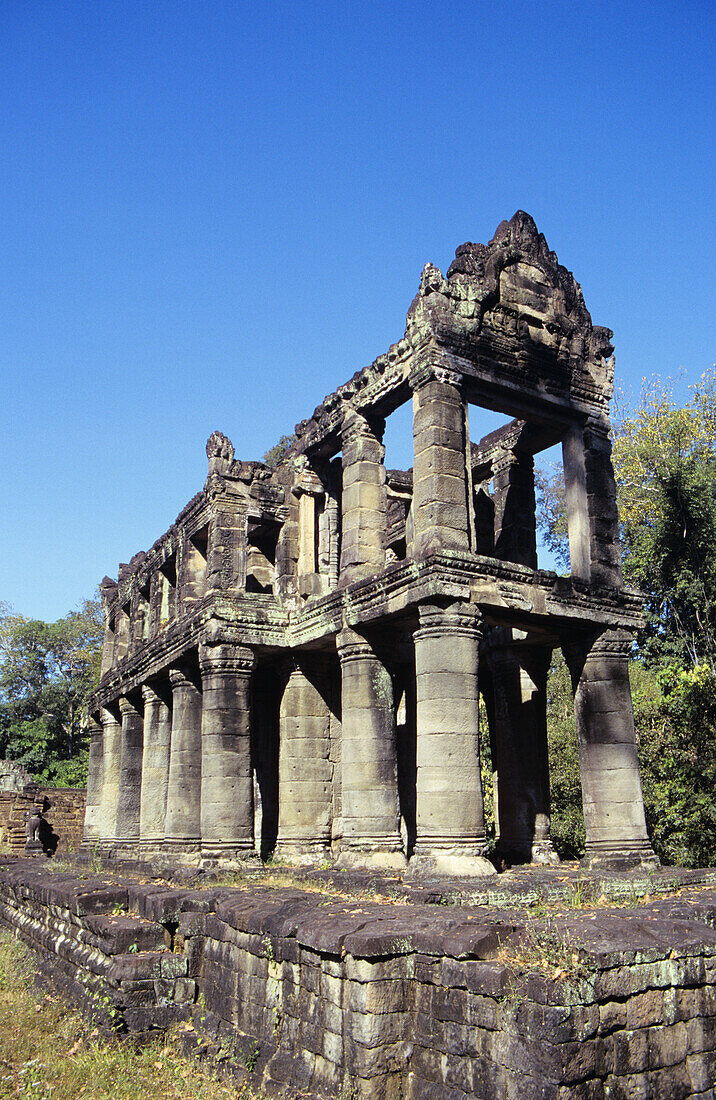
[(675, 715), (46, 672), (565, 788), (551, 501), (665, 466), (274, 455)]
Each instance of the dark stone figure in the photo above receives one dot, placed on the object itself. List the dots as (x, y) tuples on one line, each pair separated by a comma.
[(35, 821)]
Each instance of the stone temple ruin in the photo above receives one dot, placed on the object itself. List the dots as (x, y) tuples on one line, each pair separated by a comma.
[(296, 665)]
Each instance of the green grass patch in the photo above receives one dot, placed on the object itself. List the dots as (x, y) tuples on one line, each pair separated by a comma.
[(49, 1051)]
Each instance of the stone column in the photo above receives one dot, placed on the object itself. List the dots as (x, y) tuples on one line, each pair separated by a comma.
[(592, 519), (305, 773), (111, 760), (191, 575), (182, 827), (514, 498), (364, 498), (611, 787), (441, 488), (450, 824), (519, 717), (227, 785), (155, 767), (108, 646), (605, 546), (130, 773), (371, 834), (93, 811), (575, 484)]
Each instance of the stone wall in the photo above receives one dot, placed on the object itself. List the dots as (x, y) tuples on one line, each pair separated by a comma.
[(321, 993), (63, 811)]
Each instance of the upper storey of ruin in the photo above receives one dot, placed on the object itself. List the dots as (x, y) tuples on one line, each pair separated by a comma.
[(510, 318), (507, 330)]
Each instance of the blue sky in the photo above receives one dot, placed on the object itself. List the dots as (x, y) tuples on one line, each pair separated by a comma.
[(214, 213)]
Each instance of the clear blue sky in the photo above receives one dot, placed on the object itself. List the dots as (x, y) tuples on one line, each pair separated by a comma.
[(214, 213)]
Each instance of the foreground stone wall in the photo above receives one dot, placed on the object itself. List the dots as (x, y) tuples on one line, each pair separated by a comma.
[(422, 1002)]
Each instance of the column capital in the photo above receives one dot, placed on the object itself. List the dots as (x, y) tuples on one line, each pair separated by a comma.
[(126, 707), (352, 646), (225, 658), (433, 372), (457, 618), (358, 425), (505, 459), (149, 694), (610, 644), (108, 714), (179, 678)]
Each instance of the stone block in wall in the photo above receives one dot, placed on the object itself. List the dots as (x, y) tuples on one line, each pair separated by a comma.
[(701, 1073)]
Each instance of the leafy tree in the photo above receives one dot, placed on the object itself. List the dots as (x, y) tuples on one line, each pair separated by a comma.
[(665, 465), (551, 501), (46, 672), (274, 455), (675, 719), (675, 714)]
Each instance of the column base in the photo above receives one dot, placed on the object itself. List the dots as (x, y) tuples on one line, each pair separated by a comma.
[(544, 854), (372, 855), (180, 848), (151, 848), (104, 849), (220, 852), (305, 853), (620, 856), (452, 862), (540, 852)]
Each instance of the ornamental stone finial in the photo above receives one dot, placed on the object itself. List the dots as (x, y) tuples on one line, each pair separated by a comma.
[(220, 452)]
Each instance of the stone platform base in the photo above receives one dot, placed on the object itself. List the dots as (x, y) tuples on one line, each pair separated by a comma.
[(325, 989)]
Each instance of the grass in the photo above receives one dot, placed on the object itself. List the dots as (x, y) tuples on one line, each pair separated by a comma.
[(49, 1051)]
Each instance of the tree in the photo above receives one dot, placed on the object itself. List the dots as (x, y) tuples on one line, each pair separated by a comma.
[(274, 455), (46, 673), (665, 466)]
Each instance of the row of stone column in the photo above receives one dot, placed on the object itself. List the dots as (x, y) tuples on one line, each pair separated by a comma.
[(174, 768), (177, 771), (449, 826)]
